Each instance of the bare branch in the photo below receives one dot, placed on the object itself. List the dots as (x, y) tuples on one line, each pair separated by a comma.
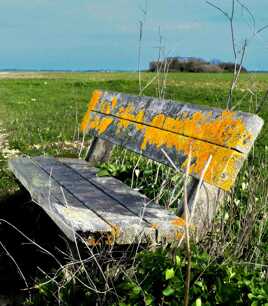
[(262, 29), (219, 9), (245, 8)]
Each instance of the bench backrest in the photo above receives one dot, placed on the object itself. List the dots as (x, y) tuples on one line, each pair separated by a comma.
[(157, 128)]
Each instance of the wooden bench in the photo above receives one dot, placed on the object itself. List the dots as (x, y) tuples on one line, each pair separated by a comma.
[(103, 208)]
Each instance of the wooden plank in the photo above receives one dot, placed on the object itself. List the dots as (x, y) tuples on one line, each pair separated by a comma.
[(64, 209), (235, 130), (127, 227), (204, 207), (151, 142), (99, 151), (169, 226)]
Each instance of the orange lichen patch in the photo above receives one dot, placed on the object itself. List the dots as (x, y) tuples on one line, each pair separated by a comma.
[(104, 124), (226, 130), (127, 113), (116, 231), (126, 117), (223, 167), (105, 108), (164, 132), (179, 235), (92, 242), (99, 124), (114, 102), (91, 106), (178, 222)]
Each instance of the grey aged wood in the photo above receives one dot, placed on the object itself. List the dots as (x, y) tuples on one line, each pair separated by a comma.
[(225, 165), (99, 151), (84, 206), (181, 111), (150, 126), (64, 209), (163, 220)]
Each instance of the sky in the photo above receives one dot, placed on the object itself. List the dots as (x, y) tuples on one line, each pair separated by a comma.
[(104, 34)]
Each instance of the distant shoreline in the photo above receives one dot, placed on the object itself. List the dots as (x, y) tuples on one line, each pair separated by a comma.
[(59, 70), (2, 71)]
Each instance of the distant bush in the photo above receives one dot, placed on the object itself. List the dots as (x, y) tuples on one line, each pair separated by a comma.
[(229, 67), (191, 65)]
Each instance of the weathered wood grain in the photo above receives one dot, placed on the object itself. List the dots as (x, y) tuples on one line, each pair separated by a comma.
[(168, 225), (121, 207), (151, 142), (99, 151), (127, 227), (235, 130), (64, 209), (203, 206)]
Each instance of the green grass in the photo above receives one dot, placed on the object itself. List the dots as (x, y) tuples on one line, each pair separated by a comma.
[(42, 115)]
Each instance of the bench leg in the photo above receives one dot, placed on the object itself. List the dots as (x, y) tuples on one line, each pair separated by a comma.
[(99, 151), (203, 207)]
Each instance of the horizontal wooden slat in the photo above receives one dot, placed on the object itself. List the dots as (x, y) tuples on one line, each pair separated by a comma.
[(234, 130), (126, 226), (153, 142), (64, 209), (168, 226), (125, 210)]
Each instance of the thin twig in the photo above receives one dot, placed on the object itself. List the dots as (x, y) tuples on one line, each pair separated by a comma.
[(187, 234)]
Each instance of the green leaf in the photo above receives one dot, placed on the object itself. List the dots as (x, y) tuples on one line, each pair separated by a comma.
[(178, 260), (103, 172), (136, 290), (168, 291), (169, 273), (198, 302), (148, 299)]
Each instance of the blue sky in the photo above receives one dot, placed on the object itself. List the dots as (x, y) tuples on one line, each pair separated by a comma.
[(103, 34)]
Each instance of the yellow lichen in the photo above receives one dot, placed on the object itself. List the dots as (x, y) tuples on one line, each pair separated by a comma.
[(91, 106), (178, 222), (179, 235), (201, 132), (114, 102)]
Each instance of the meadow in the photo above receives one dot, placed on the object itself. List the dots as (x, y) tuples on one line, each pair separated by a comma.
[(40, 113)]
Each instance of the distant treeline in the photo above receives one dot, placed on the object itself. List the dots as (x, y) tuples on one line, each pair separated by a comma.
[(190, 64)]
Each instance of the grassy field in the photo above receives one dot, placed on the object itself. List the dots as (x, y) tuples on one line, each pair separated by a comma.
[(40, 113)]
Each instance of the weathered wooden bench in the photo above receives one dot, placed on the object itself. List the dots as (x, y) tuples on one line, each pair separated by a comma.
[(103, 208)]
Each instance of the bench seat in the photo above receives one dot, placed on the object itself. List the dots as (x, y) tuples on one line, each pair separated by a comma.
[(97, 209)]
